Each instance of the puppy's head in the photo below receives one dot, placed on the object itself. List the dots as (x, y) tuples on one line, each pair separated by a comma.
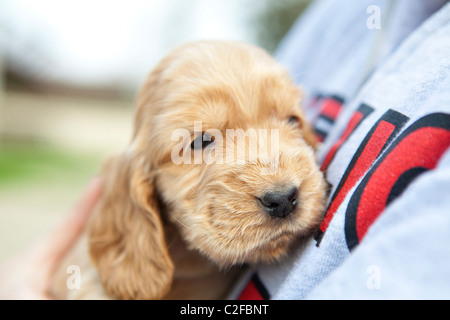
[(221, 142)]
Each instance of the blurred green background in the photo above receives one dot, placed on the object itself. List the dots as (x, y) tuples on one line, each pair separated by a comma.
[(67, 88)]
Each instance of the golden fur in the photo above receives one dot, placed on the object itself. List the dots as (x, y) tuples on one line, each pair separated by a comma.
[(163, 230)]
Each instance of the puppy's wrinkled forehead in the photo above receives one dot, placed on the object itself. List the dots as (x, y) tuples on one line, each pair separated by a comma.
[(223, 85)]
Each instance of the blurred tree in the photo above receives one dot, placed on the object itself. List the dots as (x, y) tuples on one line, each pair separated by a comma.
[(275, 19)]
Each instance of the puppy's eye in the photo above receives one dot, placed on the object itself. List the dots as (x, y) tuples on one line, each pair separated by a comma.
[(294, 120), (202, 141)]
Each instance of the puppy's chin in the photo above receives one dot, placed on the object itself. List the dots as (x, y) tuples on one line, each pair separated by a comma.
[(239, 252), (267, 251), (259, 239)]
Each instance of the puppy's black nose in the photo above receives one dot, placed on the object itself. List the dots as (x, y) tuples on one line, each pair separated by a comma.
[(280, 203)]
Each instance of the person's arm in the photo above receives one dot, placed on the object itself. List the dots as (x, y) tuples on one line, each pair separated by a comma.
[(27, 275)]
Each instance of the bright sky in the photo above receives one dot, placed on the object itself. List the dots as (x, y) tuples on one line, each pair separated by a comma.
[(100, 41)]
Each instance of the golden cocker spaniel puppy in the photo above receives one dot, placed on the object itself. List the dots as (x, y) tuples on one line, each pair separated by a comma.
[(220, 172)]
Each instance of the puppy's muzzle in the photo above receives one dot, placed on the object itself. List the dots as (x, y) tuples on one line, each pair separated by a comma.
[(280, 203)]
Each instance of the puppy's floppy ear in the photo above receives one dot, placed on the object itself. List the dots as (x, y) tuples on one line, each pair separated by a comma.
[(126, 237)]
